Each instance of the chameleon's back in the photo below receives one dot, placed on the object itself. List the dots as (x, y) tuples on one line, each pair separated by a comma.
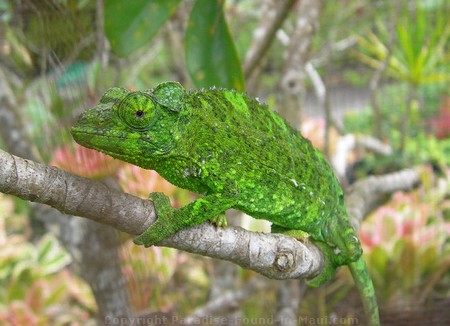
[(265, 157)]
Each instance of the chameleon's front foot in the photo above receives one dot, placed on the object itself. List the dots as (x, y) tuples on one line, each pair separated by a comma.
[(171, 220), (163, 227)]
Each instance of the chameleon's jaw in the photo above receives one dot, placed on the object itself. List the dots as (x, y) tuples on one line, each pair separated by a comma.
[(85, 138), (104, 142), (136, 151)]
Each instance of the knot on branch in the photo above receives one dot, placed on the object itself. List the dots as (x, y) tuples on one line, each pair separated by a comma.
[(293, 81), (284, 260)]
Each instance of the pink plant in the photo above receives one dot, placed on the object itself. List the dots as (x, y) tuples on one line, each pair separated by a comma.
[(405, 242), (83, 161), (441, 124), (404, 217), (141, 182), (314, 130)]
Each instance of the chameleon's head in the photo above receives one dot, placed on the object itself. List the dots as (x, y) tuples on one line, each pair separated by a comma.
[(133, 126)]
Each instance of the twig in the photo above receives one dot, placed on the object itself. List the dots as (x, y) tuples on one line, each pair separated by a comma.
[(348, 142), (291, 83), (364, 195), (324, 54), (225, 302), (264, 35)]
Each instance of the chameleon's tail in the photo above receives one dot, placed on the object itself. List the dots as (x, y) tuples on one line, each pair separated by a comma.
[(365, 288)]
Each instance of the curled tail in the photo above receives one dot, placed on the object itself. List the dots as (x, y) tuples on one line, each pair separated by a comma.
[(366, 291)]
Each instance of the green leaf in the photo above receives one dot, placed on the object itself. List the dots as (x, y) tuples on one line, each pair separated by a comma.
[(51, 257), (378, 263), (131, 24), (211, 55)]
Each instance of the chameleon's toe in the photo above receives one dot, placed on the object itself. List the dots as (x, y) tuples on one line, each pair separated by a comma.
[(297, 234), (156, 233), (219, 220), (145, 239), (325, 275), (160, 200)]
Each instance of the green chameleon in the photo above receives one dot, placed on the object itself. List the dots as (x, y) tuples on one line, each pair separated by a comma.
[(238, 154)]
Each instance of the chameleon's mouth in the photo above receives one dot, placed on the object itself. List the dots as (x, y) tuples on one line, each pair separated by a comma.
[(116, 145), (84, 137), (111, 145), (101, 141)]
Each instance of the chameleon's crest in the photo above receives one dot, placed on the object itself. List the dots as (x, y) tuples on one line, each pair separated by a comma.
[(170, 95), (112, 94)]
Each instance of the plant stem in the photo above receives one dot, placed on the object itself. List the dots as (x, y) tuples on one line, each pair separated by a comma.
[(404, 127)]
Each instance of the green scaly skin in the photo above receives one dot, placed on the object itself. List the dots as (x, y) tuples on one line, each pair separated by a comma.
[(238, 154)]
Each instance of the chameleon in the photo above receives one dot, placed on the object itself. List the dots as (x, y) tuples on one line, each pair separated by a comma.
[(235, 152)]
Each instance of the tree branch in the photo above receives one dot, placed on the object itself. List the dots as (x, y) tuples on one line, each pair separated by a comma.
[(365, 195), (297, 54), (94, 255), (272, 255), (348, 143)]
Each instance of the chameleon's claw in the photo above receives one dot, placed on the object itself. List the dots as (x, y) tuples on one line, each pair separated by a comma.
[(297, 234), (156, 233), (144, 240)]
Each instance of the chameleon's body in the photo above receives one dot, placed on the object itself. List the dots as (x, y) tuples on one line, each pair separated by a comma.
[(237, 153)]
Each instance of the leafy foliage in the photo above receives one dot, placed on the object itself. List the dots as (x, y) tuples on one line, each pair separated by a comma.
[(420, 51), (35, 288), (129, 25), (211, 56)]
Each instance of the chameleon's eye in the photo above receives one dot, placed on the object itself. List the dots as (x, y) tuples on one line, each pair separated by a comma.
[(138, 110)]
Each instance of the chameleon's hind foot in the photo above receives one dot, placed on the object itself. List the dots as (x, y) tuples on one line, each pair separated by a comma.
[(329, 268)]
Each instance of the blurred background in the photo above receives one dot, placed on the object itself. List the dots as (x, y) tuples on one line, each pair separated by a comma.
[(367, 81)]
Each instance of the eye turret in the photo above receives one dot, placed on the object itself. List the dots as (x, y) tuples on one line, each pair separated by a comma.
[(138, 110)]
